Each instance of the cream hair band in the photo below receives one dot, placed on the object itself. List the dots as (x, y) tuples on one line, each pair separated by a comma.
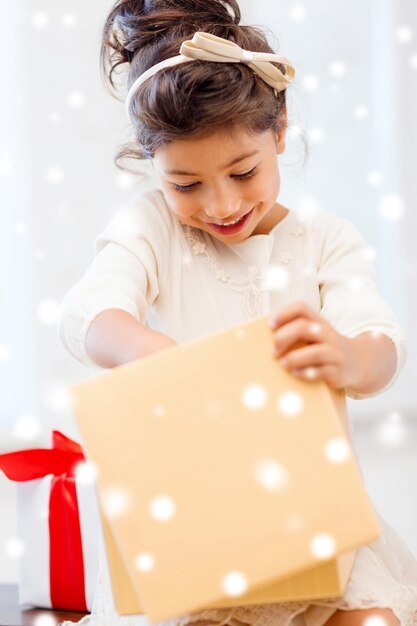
[(208, 47)]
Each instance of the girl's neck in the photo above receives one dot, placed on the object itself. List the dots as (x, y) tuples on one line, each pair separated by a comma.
[(271, 219)]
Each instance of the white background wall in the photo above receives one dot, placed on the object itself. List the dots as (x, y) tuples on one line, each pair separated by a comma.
[(356, 97)]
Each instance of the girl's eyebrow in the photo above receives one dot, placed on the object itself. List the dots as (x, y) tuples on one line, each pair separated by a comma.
[(240, 158)]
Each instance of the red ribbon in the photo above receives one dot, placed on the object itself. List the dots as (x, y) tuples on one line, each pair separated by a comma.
[(66, 562)]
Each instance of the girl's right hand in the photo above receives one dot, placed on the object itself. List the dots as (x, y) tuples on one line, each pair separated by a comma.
[(115, 337)]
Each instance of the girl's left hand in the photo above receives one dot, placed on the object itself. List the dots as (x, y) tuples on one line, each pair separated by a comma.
[(328, 355)]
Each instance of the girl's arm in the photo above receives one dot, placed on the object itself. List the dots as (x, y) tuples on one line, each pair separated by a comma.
[(310, 347), (130, 267), (115, 337), (377, 360), (352, 304)]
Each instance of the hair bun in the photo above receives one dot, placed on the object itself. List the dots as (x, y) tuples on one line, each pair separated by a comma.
[(132, 24)]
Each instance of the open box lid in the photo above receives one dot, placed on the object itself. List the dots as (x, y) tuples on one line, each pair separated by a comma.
[(230, 473)]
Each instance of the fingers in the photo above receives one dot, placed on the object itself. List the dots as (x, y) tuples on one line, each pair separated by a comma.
[(291, 312), (308, 373), (326, 373), (317, 362), (300, 329), (297, 325), (310, 356)]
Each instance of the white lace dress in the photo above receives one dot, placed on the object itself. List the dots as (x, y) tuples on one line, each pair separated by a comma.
[(186, 284)]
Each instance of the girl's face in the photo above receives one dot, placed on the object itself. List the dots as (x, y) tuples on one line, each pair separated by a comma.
[(226, 176)]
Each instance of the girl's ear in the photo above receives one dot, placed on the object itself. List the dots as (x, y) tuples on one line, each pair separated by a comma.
[(281, 134), (281, 141)]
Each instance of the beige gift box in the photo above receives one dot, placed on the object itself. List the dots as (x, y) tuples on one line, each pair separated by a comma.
[(223, 479)]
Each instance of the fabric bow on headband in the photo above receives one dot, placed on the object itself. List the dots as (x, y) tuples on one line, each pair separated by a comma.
[(208, 47)]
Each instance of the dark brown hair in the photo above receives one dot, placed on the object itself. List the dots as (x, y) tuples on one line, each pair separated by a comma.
[(191, 99)]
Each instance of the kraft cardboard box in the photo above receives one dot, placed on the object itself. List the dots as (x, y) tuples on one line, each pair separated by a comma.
[(235, 481)]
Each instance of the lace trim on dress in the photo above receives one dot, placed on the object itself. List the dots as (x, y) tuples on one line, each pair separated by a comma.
[(286, 254), (252, 286)]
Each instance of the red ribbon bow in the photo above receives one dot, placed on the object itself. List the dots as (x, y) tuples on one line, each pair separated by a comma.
[(66, 563)]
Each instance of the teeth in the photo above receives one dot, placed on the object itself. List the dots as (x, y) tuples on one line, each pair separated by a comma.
[(230, 223)]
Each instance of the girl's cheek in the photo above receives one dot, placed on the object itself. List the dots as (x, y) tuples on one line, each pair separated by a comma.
[(181, 207), (263, 189)]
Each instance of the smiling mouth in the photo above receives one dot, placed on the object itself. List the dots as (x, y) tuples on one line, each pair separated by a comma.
[(231, 227)]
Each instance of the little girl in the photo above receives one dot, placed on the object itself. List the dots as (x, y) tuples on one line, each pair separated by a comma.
[(211, 246)]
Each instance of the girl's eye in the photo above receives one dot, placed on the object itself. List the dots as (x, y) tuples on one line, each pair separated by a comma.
[(183, 187), (244, 176)]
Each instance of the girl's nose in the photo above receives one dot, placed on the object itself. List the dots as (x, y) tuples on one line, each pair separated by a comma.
[(222, 207)]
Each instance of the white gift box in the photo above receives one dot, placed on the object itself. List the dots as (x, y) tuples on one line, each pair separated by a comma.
[(33, 532), (58, 525)]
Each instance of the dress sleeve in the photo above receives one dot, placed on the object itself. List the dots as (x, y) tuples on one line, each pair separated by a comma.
[(127, 272), (349, 295)]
